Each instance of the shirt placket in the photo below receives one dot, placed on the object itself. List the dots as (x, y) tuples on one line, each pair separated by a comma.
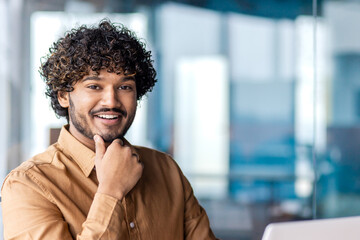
[(132, 224)]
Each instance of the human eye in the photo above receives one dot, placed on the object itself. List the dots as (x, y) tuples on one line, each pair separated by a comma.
[(93, 87), (126, 87)]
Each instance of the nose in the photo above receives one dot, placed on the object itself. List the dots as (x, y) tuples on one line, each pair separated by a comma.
[(110, 98)]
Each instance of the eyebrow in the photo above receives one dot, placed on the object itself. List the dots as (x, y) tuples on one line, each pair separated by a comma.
[(91, 78), (96, 78)]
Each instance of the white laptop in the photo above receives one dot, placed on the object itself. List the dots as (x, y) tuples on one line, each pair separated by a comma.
[(346, 228)]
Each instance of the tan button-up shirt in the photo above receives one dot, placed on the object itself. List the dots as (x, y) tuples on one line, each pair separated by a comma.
[(52, 196)]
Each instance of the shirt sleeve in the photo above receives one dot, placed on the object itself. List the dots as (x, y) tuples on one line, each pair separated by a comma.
[(196, 221), (28, 213), (103, 220)]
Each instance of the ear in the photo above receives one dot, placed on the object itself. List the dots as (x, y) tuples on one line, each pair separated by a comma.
[(63, 98)]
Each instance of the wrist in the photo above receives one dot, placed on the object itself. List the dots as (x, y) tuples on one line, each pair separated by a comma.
[(111, 192)]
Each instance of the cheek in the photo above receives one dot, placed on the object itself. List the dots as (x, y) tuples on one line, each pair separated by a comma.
[(130, 103), (134, 105), (82, 107)]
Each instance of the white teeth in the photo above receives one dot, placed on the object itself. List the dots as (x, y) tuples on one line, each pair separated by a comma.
[(108, 116)]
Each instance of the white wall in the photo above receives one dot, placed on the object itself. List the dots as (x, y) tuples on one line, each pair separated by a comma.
[(339, 14), (183, 31), (3, 96), (195, 85), (4, 89), (262, 49), (201, 131)]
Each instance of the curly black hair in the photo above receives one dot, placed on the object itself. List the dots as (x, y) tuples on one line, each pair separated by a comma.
[(106, 46)]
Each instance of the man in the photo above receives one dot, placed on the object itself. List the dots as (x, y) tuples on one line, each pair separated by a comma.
[(92, 184)]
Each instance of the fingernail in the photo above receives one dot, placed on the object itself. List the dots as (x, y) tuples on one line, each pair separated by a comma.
[(96, 138)]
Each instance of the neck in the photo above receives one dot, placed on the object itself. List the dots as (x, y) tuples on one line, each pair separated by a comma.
[(89, 143)]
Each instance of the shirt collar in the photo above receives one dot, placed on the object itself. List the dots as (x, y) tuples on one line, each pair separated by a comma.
[(78, 152), (81, 154)]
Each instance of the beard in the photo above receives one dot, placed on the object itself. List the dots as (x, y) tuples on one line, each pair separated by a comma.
[(80, 123)]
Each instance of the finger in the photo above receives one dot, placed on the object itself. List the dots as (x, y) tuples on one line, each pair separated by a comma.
[(142, 164), (138, 159), (99, 148), (136, 156), (119, 141)]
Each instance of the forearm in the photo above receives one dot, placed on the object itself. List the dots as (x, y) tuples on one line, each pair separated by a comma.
[(104, 219)]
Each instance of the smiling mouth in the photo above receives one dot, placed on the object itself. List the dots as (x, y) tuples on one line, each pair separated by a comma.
[(108, 117)]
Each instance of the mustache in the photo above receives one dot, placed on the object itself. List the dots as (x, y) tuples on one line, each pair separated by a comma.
[(102, 110)]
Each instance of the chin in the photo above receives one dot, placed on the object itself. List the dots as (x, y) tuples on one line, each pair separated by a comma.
[(110, 136)]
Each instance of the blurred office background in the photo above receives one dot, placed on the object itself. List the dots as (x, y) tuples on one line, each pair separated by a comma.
[(258, 101)]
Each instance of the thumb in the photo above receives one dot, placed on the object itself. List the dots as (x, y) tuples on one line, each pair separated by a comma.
[(99, 148)]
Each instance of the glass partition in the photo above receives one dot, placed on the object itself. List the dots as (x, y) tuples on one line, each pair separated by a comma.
[(338, 167)]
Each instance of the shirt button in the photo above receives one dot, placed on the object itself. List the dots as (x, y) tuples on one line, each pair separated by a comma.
[(132, 224)]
